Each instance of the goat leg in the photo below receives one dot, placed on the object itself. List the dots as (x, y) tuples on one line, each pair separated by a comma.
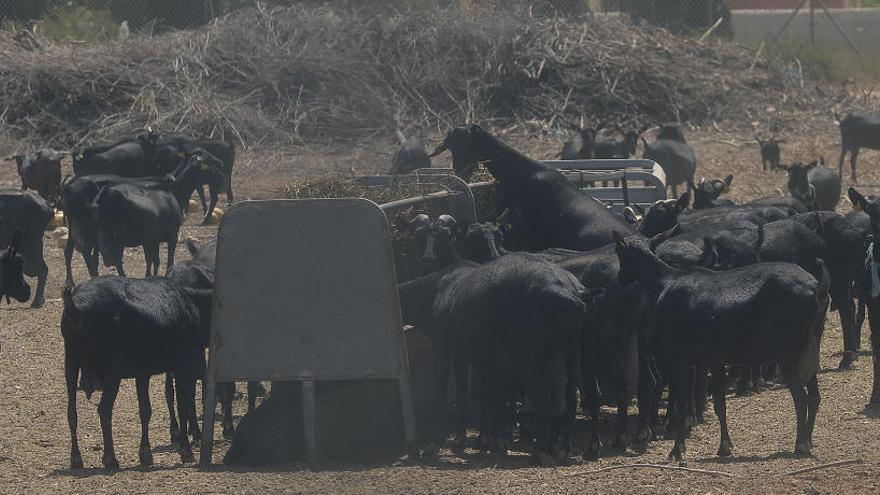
[(145, 411), (210, 210), (105, 412), (874, 322), (186, 390), (719, 386), (647, 383), (799, 397), (226, 392), (42, 275), (172, 416), (172, 246), (71, 373), (813, 400), (68, 259), (253, 388), (854, 154), (681, 389), (460, 370)]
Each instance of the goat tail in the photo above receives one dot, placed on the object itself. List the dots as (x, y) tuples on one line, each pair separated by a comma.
[(824, 279)]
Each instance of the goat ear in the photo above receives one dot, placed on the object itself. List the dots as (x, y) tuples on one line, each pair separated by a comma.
[(858, 201), (683, 201), (12, 250), (662, 237), (618, 239), (728, 181), (821, 160)]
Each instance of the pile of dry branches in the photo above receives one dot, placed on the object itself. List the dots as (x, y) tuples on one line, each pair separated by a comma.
[(312, 75)]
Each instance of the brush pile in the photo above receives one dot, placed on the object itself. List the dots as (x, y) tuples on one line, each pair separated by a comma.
[(306, 74)]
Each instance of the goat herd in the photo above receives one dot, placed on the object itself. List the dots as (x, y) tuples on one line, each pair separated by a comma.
[(598, 305), (618, 306)]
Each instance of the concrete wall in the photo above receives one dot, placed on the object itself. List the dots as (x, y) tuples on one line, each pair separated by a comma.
[(862, 26), (787, 4)]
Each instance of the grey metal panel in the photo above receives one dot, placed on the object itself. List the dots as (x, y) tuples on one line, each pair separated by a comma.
[(601, 164), (306, 289), (457, 200)]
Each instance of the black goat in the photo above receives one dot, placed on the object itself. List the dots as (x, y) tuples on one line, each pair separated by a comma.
[(434, 238), (814, 184), (555, 211), (77, 196), (769, 152), (27, 214), (620, 361), (175, 149), (846, 245), (411, 155), (198, 273), (41, 171), (857, 130), (116, 328), (612, 148), (726, 217), (660, 217), (672, 152), (707, 192), (579, 147), (869, 292), (133, 214), (518, 317), (12, 283), (757, 313), (128, 158), (784, 202)]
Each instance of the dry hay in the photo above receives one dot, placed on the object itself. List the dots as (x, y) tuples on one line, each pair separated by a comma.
[(315, 75)]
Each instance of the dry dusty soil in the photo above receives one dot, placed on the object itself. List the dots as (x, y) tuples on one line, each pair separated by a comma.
[(34, 442)]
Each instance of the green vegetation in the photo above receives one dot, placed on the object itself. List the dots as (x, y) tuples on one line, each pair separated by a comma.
[(826, 64)]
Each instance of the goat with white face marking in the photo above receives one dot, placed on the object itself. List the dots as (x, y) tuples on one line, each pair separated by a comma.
[(757, 313), (707, 192), (814, 184)]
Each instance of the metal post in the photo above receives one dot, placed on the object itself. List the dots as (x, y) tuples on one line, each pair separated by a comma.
[(308, 395), (209, 398), (790, 18), (839, 28), (812, 22)]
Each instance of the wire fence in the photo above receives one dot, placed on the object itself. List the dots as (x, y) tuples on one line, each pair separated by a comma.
[(95, 20)]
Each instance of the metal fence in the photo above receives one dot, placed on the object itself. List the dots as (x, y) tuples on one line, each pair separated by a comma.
[(102, 19)]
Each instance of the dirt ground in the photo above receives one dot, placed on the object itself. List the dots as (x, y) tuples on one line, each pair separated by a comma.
[(34, 441)]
